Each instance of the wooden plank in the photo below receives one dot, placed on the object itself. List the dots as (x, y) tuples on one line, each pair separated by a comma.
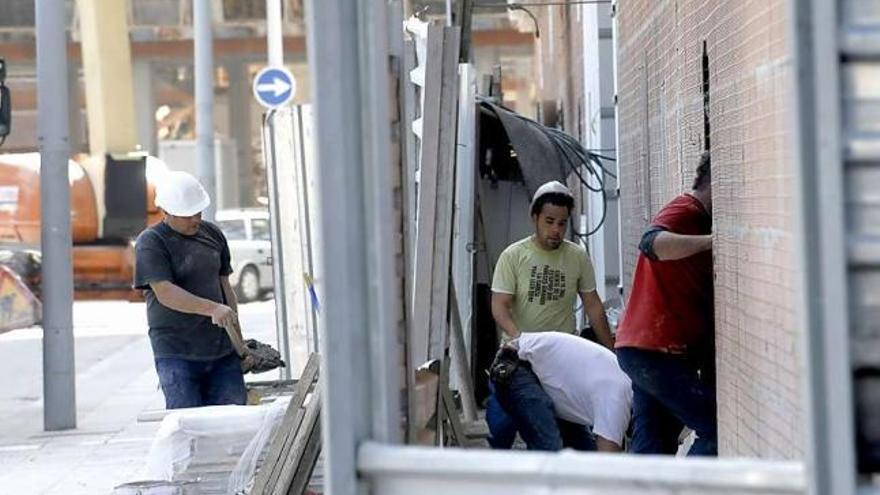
[(453, 419), (427, 190), (458, 355), (426, 407), (408, 98), (298, 446), (292, 418), (476, 429), (289, 435), (307, 464), (447, 407), (419, 321), (466, 178), (439, 327)]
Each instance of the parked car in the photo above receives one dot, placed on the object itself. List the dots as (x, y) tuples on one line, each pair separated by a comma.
[(247, 230)]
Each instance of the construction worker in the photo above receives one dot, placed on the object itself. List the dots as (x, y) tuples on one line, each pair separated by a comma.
[(665, 342), (583, 380), (536, 283), (183, 265)]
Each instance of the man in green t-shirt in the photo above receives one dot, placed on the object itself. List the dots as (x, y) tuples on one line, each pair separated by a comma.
[(536, 284), (538, 279)]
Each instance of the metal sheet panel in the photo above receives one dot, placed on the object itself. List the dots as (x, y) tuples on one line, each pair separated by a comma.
[(860, 98)]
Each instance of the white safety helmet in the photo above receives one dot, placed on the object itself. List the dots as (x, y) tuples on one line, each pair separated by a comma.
[(554, 186), (180, 194)]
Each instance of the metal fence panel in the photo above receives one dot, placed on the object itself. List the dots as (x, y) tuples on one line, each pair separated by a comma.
[(408, 470)]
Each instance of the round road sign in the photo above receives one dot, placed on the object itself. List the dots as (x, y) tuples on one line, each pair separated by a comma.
[(274, 87)]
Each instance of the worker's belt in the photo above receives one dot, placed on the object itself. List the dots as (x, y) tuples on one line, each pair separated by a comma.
[(506, 362)]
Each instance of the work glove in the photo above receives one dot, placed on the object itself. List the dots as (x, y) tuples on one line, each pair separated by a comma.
[(260, 357)]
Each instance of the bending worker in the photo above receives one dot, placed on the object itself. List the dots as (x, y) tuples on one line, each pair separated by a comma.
[(583, 380), (536, 283), (183, 265)]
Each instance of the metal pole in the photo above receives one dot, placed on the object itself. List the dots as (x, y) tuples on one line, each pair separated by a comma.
[(615, 29), (449, 12), (59, 385), (309, 260), (824, 305), (274, 34), (204, 82), (360, 358), (270, 158), (75, 143)]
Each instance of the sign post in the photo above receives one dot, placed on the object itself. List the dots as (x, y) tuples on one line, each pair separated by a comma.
[(275, 87)]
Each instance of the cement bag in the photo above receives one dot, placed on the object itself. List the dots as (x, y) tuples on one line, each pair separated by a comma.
[(205, 444)]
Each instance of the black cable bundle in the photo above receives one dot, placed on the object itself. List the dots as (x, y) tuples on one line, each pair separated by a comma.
[(575, 155)]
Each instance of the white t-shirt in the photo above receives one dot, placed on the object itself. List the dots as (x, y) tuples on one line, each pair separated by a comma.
[(583, 379)]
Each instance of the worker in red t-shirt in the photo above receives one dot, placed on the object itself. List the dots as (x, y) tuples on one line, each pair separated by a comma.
[(665, 342)]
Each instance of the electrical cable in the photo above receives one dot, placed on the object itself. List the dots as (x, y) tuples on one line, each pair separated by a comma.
[(576, 157)]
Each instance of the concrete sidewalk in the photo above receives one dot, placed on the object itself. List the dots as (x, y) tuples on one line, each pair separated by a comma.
[(116, 381)]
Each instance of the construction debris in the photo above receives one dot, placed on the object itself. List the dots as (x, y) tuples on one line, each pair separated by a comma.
[(18, 306)]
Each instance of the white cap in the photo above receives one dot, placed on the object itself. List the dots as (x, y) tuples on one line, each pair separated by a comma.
[(554, 186), (181, 195)]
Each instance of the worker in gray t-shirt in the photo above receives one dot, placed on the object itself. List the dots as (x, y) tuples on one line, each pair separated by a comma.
[(183, 265)]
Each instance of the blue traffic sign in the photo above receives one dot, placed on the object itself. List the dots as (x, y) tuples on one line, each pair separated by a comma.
[(274, 87)]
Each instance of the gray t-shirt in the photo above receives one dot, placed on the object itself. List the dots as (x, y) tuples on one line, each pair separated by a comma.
[(194, 263)]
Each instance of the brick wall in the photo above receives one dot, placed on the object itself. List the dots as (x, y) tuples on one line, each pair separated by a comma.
[(661, 133)]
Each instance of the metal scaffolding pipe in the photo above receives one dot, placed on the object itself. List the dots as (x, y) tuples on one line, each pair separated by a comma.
[(274, 36), (59, 384), (204, 82), (360, 356)]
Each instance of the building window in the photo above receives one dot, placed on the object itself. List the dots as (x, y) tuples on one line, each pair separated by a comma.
[(17, 13)]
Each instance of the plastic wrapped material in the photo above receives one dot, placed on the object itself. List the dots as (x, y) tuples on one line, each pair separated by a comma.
[(208, 444), (242, 477)]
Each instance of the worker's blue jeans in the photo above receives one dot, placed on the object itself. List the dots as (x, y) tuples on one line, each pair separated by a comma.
[(187, 383), (669, 393), (522, 405)]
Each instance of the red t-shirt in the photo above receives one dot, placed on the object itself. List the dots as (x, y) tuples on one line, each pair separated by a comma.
[(670, 308)]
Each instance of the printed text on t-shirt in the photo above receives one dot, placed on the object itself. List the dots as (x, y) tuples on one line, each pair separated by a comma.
[(546, 285)]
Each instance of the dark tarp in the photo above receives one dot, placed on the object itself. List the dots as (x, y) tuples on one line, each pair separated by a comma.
[(539, 159)]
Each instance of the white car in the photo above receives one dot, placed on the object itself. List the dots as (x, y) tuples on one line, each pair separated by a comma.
[(247, 230)]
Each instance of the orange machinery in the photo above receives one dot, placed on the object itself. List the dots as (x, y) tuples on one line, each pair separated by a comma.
[(102, 269)]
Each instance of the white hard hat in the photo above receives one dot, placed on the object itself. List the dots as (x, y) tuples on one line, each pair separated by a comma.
[(554, 186), (155, 169), (181, 195)]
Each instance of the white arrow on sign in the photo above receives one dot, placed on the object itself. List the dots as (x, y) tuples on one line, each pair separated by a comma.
[(278, 87)]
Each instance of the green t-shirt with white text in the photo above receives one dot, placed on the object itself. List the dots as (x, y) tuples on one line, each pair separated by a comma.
[(544, 284)]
